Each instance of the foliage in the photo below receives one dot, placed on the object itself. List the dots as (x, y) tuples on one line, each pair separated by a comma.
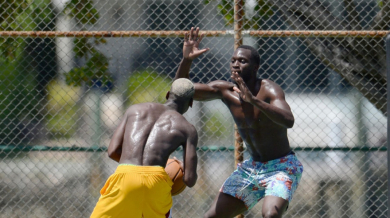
[(28, 65), (83, 11), (217, 126), (62, 109), (253, 21), (95, 68), (14, 16), (96, 64), (380, 3), (18, 100), (146, 86), (32, 15)]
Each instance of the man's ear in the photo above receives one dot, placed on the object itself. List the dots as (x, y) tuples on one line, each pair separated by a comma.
[(191, 101), (167, 96)]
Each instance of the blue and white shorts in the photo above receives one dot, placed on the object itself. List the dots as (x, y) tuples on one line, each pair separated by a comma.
[(252, 180)]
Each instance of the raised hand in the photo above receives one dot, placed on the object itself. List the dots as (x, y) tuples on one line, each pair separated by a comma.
[(191, 44), (242, 90)]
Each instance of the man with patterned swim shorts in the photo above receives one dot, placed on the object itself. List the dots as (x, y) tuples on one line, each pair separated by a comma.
[(262, 117), (142, 144)]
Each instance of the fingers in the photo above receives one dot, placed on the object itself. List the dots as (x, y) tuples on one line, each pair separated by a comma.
[(203, 50), (194, 34), (191, 33), (238, 79), (200, 39), (234, 76)]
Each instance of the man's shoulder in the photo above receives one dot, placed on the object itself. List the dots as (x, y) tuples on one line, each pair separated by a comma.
[(179, 119), (268, 83), (270, 87), (143, 107)]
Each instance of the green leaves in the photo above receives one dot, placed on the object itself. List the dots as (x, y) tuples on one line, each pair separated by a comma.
[(252, 19), (96, 65), (83, 11), (10, 11), (94, 70), (38, 15), (147, 86)]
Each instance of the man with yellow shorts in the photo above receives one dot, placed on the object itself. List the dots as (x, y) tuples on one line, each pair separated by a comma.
[(142, 144)]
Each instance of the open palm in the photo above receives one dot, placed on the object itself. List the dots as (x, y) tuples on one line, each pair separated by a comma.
[(191, 44), (241, 88)]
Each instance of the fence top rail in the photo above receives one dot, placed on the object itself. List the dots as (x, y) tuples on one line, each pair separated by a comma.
[(207, 33), (10, 148)]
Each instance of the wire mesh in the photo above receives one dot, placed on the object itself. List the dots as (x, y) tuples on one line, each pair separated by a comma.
[(62, 97)]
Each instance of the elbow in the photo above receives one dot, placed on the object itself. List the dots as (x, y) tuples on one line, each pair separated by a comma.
[(113, 155), (190, 181), (290, 122), (110, 154)]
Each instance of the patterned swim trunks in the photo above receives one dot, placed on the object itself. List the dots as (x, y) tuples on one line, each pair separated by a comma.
[(252, 180)]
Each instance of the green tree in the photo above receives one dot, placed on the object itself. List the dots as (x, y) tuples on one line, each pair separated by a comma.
[(226, 9), (96, 63), (29, 64), (146, 86)]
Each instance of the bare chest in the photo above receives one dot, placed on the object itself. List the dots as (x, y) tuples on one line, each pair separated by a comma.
[(246, 115)]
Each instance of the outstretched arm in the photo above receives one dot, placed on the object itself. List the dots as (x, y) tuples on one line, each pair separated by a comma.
[(115, 148), (191, 51), (190, 159), (203, 92), (277, 110)]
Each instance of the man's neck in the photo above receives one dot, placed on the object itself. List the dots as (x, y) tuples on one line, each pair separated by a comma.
[(172, 106), (252, 85)]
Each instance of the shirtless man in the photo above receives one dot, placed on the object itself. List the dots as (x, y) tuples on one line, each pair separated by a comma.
[(262, 116), (142, 143)]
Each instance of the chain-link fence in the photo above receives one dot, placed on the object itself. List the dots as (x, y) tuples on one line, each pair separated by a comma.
[(61, 97)]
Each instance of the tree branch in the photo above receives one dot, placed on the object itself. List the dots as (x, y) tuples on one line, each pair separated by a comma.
[(355, 60)]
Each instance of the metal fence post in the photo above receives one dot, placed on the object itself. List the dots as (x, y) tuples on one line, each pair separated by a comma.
[(238, 25), (388, 121), (238, 16)]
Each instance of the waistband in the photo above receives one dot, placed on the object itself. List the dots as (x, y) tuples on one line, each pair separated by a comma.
[(289, 155), (128, 168)]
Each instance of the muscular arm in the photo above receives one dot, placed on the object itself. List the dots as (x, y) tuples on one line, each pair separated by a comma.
[(115, 148), (277, 110), (190, 52), (203, 92), (190, 159), (183, 71)]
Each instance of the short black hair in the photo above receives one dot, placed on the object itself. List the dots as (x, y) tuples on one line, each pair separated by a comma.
[(254, 53)]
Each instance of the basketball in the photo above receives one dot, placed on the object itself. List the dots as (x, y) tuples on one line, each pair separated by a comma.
[(176, 173)]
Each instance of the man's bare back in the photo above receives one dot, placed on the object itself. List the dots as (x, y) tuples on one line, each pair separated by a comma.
[(152, 132)]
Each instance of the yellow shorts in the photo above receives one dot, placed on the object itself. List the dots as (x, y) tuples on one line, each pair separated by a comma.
[(135, 192)]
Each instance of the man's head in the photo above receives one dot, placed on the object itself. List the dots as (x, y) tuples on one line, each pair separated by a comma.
[(245, 61), (182, 91)]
